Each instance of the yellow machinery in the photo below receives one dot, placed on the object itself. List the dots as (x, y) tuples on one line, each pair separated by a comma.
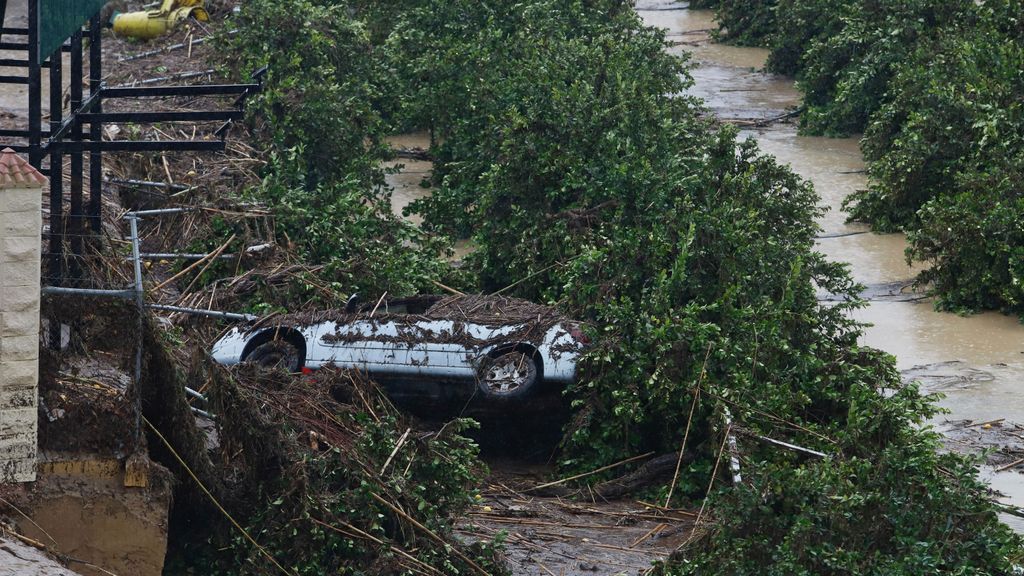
[(149, 24)]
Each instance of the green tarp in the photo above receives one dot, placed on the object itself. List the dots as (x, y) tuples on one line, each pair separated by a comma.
[(59, 19)]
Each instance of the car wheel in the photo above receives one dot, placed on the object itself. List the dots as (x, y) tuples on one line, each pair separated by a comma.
[(510, 375), (274, 354)]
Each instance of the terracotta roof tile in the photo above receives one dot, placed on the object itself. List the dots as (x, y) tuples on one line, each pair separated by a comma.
[(15, 172)]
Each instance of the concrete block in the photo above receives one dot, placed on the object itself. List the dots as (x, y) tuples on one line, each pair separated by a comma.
[(20, 249), (18, 470), (22, 223), (19, 373), (18, 324), (12, 397), (22, 274), (18, 450), (22, 200), (15, 422), (15, 348), (20, 299)]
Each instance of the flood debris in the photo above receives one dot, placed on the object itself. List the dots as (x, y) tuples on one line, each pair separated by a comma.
[(553, 535), (344, 471)]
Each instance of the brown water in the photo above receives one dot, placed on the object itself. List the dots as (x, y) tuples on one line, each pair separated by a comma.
[(408, 180), (976, 361)]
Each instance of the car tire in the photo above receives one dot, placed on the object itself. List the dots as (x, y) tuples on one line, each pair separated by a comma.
[(509, 376), (274, 354)]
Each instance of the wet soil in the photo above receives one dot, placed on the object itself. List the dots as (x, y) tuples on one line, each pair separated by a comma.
[(547, 536)]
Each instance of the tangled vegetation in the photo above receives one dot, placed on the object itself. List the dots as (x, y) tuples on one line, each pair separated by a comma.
[(341, 489), (563, 148)]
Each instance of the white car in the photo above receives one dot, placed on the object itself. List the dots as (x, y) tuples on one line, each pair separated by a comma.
[(506, 346)]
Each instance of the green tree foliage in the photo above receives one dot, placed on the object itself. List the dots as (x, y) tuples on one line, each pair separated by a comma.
[(565, 150), (844, 69), (743, 22), (946, 157), (321, 116), (583, 180), (936, 88), (857, 515)]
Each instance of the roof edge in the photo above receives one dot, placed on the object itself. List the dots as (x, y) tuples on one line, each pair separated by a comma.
[(16, 172)]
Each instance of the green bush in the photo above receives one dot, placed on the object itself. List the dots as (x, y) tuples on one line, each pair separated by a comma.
[(743, 22), (972, 235), (906, 511)]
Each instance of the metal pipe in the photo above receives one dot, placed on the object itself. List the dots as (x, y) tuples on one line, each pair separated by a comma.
[(126, 294), (77, 161), (140, 213), (140, 146), (133, 222), (195, 394), (179, 76), (193, 90), (35, 87), (194, 42), (140, 296), (176, 187), (789, 446), (171, 256), (734, 454), (57, 229), (198, 312)]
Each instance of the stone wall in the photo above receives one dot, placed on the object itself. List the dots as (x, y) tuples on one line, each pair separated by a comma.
[(20, 253)]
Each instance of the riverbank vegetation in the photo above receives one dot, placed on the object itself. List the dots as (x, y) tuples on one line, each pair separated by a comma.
[(564, 150), (935, 88)]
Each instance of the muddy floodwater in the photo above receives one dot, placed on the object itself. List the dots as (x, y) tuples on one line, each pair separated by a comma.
[(977, 361)]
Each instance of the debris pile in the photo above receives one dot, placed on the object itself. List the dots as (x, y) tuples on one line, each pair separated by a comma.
[(330, 477)]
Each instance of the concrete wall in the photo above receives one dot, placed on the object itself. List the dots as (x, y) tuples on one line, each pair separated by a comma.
[(20, 252)]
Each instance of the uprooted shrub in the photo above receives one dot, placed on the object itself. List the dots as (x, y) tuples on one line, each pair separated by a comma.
[(322, 472), (905, 511)]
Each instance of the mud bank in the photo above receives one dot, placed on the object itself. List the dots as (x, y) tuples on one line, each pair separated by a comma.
[(81, 507)]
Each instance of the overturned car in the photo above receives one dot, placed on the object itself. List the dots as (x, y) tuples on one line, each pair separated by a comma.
[(441, 347)]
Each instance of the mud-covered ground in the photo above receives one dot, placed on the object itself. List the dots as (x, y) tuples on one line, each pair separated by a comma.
[(546, 535)]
